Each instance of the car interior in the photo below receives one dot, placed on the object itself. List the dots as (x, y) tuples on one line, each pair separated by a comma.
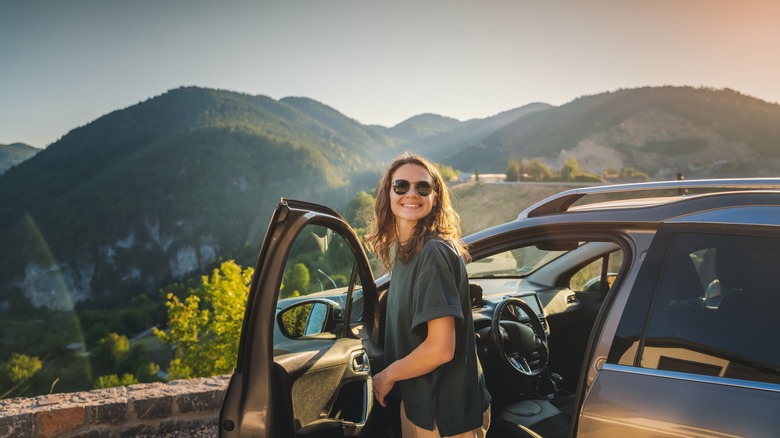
[(564, 282)]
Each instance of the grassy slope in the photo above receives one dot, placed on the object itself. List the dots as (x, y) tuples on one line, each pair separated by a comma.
[(482, 205)]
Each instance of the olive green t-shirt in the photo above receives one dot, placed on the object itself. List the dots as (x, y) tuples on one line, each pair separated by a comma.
[(434, 284)]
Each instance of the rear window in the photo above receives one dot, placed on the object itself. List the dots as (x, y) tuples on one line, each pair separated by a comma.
[(715, 308)]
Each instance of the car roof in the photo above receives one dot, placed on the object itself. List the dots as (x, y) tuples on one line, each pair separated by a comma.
[(755, 215), (643, 194)]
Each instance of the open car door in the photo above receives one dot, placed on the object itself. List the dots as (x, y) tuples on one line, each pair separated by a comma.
[(304, 359)]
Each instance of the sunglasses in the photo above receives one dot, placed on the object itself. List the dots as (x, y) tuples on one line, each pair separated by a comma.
[(402, 186)]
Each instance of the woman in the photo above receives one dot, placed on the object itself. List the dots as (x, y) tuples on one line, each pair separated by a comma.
[(430, 351)]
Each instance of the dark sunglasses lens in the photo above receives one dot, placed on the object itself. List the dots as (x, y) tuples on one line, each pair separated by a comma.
[(424, 188), (401, 186)]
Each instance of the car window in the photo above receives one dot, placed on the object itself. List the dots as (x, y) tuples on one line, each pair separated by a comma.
[(715, 311), (319, 266), (588, 279)]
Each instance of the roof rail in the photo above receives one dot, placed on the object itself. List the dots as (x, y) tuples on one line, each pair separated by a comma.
[(561, 202)]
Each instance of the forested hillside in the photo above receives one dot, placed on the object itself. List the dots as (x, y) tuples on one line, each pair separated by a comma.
[(158, 191)]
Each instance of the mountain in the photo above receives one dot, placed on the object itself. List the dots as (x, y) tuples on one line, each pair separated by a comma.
[(423, 126), (163, 190), (15, 153), (699, 132), (444, 144)]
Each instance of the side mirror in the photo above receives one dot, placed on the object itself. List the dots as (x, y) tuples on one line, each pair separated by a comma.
[(309, 318)]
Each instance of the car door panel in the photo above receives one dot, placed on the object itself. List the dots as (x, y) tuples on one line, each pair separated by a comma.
[(327, 384), (626, 401)]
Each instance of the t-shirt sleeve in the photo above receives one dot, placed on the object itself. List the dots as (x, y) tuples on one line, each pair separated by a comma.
[(436, 292)]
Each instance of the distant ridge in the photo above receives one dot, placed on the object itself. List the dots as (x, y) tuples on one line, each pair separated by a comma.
[(662, 130), (15, 153), (423, 126)]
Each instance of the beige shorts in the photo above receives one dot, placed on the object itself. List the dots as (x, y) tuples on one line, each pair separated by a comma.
[(409, 430)]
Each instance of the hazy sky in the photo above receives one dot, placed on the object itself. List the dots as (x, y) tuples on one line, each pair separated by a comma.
[(64, 63)]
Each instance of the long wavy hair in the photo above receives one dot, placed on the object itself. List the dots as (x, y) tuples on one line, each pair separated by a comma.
[(443, 221)]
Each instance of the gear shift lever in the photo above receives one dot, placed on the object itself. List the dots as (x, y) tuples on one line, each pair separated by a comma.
[(550, 383), (556, 380)]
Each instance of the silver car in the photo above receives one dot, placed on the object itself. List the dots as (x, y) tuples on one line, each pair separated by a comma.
[(634, 310)]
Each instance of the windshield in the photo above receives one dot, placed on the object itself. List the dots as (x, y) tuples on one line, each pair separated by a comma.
[(519, 262)]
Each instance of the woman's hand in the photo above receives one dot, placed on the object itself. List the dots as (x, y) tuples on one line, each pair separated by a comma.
[(437, 349), (383, 384)]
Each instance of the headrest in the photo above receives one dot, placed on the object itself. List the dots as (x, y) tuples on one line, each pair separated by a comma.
[(475, 292)]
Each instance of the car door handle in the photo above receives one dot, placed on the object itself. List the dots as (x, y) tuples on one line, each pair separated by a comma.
[(360, 363)]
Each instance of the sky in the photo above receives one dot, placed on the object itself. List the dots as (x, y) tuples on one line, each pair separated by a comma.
[(65, 63)]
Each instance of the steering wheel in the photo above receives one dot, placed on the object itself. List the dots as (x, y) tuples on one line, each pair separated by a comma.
[(515, 342)]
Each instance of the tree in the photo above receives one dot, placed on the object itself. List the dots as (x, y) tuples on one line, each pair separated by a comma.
[(296, 281), (537, 170), (113, 380), (109, 352), (359, 209), (447, 172), (513, 171), (20, 367), (148, 373), (204, 329), (633, 173), (570, 169)]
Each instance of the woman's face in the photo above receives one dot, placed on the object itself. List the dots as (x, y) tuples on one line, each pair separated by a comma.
[(410, 207)]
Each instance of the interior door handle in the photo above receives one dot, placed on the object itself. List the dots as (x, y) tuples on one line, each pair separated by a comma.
[(360, 363)]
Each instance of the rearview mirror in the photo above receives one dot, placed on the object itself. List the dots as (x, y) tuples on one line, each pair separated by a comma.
[(558, 245)]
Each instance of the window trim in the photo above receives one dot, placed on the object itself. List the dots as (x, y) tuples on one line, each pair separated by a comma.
[(688, 377)]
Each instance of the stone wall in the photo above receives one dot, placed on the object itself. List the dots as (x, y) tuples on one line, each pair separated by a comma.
[(181, 408)]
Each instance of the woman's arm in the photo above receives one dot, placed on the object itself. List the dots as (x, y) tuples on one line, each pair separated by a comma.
[(437, 349)]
